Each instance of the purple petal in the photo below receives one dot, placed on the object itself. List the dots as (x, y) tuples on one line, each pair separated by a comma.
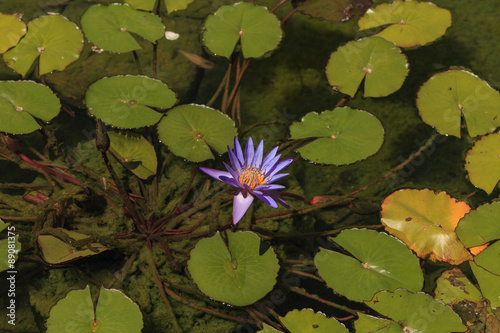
[(234, 160), (276, 177), (238, 152), (233, 173), (267, 199), (249, 152), (278, 167), (241, 201), (269, 157), (217, 174), (231, 181), (276, 196), (257, 158), (270, 164), (269, 187)]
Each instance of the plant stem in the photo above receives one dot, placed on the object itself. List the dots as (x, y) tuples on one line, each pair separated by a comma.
[(137, 62), (220, 87)]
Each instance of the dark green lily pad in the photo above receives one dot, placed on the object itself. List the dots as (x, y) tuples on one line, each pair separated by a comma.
[(369, 324), (483, 162), (447, 96), (55, 40), (21, 102), (407, 23), (489, 284), (378, 262), (378, 62), (109, 27), (308, 321), (11, 31), (238, 273), (480, 225), (190, 130), (257, 30), (8, 246), (127, 101), (338, 10), (344, 135), (489, 258)]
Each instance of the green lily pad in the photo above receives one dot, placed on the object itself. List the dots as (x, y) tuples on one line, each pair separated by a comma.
[(9, 247), (416, 312), (175, 5), (135, 153), (190, 130), (126, 101), (257, 30), (378, 62), (489, 258), (370, 324), (339, 10), (308, 321), (109, 27), (407, 23), (483, 162), (425, 221), (445, 97), (344, 135), (55, 40), (480, 226), (489, 284), (147, 5), (115, 312), (11, 31), (378, 262), (268, 329), (453, 287), (21, 102), (238, 273)]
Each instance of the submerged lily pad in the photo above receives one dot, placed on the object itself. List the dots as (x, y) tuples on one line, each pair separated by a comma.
[(9, 247), (483, 162), (338, 10), (257, 30), (237, 272), (11, 31), (407, 23), (480, 225), (378, 62), (370, 324), (23, 101), (109, 27), (308, 321), (378, 262), (447, 96), (55, 40), (127, 101), (344, 135), (190, 130), (425, 221)]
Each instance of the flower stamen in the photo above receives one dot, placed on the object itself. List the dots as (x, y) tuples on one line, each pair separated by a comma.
[(252, 177)]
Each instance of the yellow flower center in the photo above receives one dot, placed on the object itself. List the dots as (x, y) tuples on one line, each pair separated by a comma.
[(252, 177)]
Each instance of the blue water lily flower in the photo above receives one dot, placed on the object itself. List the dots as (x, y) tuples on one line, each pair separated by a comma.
[(252, 176)]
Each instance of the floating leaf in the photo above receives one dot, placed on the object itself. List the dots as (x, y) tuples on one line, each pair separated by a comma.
[(268, 329), (416, 312), (407, 23), (483, 162), (378, 62), (109, 27), (11, 31), (135, 152), (426, 221), (379, 262), (126, 101), (174, 5), (147, 5), (480, 225), (21, 102), (369, 324), (339, 10), (344, 135), (445, 97), (190, 130), (9, 248), (489, 258), (308, 321), (236, 272), (257, 30), (489, 284)]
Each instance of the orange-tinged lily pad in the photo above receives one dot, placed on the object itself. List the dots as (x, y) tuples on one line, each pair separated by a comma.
[(426, 221)]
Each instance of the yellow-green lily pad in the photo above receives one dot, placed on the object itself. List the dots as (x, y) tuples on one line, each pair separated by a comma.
[(480, 225), (308, 321), (11, 31), (489, 284), (370, 324), (483, 162)]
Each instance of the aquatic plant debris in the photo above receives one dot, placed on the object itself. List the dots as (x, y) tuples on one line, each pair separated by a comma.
[(252, 176)]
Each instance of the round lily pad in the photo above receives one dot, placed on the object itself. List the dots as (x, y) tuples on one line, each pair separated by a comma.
[(370, 324), (339, 10), (378, 62), (489, 258), (135, 153), (55, 40), (344, 135), (447, 96), (237, 272), (9, 245), (480, 225), (174, 5), (127, 101), (425, 221), (21, 102), (253, 26), (11, 31), (489, 284), (407, 23), (483, 162), (190, 130), (109, 27), (378, 262), (147, 5), (308, 321)]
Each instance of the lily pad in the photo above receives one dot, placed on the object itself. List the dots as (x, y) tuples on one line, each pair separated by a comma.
[(257, 30), (308, 321), (378, 262), (344, 135), (339, 10), (109, 27), (447, 96), (147, 5), (370, 324), (268, 329), (480, 225), (407, 23), (378, 62), (191, 130), (489, 258), (135, 153), (11, 31), (127, 101), (236, 272), (23, 101), (489, 284), (175, 5), (483, 162), (416, 312), (453, 287), (425, 221), (9, 247)]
